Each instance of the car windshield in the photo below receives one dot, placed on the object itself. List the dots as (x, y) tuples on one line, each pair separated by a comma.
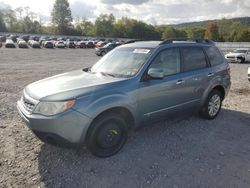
[(240, 51), (122, 62)]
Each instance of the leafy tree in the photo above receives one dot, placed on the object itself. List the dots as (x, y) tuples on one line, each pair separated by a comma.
[(234, 29), (224, 27), (85, 27), (19, 11), (169, 32), (104, 25), (212, 31), (61, 16), (181, 33), (131, 28), (196, 32), (243, 36), (2, 23), (11, 20)]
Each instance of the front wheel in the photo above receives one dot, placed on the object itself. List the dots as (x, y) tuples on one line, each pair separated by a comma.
[(103, 53), (212, 105), (107, 135)]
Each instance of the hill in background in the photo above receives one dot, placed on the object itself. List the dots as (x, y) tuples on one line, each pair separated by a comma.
[(245, 21)]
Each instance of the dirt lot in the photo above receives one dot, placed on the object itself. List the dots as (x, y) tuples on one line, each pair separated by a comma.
[(181, 152)]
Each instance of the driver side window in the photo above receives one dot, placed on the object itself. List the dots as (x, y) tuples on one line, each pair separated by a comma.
[(168, 60)]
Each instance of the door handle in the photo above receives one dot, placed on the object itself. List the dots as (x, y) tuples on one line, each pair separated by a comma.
[(210, 74), (179, 82)]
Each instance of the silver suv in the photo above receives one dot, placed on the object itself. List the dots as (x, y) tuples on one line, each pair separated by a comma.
[(133, 84)]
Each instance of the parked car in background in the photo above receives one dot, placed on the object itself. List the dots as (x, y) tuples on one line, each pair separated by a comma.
[(22, 43), (48, 44), (13, 38), (9, 43), (131, 85), (101, 51), (60, 44), (90, 44), (70, 43), (240, 55), (26, 38), (35, 38), (42, 40), (100, 44), (2, 38), (34, 44), (248, 74), (81, 44)]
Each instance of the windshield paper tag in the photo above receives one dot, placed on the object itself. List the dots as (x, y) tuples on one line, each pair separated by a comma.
[(141, 51)]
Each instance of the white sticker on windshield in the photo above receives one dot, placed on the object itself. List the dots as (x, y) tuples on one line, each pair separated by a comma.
[(141, 51)]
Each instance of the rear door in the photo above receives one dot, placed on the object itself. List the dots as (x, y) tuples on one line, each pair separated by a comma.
[(195, 72)]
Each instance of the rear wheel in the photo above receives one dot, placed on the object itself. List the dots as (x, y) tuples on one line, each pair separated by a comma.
[(107, 135), (212, 105), (242, 60)]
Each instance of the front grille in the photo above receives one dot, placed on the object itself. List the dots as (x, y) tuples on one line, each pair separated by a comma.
[(28, 103), (230, 57)]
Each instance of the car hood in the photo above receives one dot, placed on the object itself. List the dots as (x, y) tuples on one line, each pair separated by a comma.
[(68, 85), (235, 54)]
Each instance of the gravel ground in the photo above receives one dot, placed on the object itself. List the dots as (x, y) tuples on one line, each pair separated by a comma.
[(181, 152)]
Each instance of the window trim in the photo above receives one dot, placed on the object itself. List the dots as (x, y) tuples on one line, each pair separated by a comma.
[(222, 59), (182, 58), (144, 75)]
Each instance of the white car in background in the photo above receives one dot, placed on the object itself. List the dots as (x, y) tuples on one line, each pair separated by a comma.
[(60, 44), (240, 55)]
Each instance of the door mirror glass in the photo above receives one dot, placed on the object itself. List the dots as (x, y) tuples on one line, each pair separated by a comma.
[(156, 73)]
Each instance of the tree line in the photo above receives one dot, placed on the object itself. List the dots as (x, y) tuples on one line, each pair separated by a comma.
[(106, 25)]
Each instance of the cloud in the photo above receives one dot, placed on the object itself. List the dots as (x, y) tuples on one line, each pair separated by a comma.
[(4, 5), (150, 11), (132, 2), (80, 9), (174, 12)]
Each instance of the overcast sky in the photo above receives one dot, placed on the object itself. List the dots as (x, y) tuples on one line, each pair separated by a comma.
[(150, 11)]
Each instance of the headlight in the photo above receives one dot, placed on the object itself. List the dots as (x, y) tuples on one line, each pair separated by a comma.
[(53, 108)]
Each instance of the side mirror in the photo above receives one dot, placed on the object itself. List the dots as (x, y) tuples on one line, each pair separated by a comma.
[(156, 73)]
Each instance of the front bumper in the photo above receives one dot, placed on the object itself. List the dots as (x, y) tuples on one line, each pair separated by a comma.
[(98, 52), (66, 129)]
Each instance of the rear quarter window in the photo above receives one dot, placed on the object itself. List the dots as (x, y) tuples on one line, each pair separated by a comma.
[(193, 59), (214, 55)]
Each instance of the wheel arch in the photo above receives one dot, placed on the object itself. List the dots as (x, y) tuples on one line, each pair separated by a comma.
[(218, 87), (122, 111)]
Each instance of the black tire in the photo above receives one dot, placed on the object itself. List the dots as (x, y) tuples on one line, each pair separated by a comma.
[(107, 135), (242, 60), (205, 113), (103, 53)]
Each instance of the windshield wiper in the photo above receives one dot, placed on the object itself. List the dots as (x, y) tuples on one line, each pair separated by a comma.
[(107, 74)]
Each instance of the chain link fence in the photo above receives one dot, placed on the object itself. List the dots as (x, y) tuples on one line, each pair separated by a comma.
[(230, 46)]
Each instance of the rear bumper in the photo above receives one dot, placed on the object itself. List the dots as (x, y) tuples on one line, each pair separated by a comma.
[(65, 129)]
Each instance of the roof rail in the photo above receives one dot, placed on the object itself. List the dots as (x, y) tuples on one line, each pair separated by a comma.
[(179, 40), (132, 41)]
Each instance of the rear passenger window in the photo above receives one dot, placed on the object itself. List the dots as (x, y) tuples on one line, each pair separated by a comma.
[(214, 55), (193, 59)]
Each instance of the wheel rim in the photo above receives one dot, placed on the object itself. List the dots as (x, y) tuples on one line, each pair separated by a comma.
[(214, 105), (109, 136)]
